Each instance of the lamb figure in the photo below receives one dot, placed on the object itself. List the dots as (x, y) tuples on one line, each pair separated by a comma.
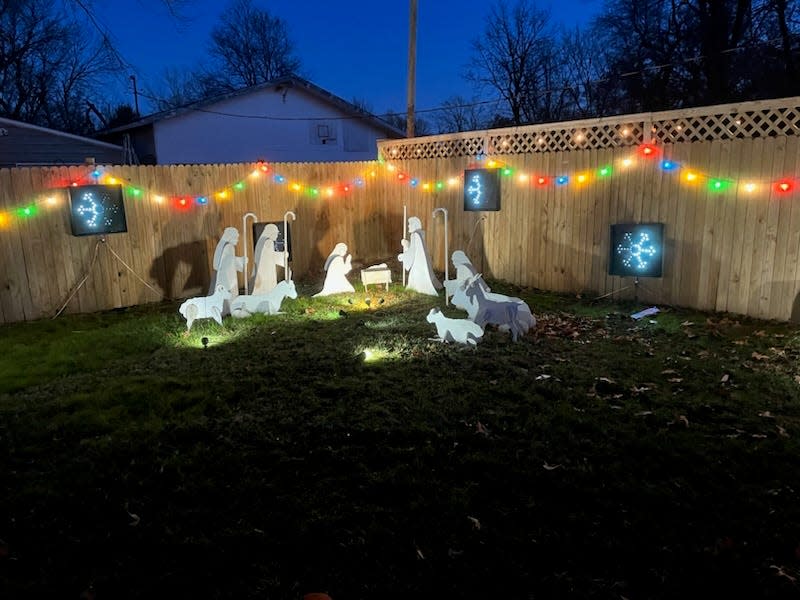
[(205, 307), (462, 331), (266, 304)]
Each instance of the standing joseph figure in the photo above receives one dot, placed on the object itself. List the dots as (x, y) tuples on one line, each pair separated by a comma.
[(417, 261), (267, 259)]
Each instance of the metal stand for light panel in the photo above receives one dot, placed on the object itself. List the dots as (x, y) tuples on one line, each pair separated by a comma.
[(635, 285), (102, 242)]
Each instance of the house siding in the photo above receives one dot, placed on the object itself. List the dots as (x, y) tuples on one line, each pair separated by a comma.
[(25, 145), (300, 128)]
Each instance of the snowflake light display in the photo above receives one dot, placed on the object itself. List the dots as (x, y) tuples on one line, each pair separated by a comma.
[(636, 254), (97, 210), (474, 190), (636, 250), (481, 189)]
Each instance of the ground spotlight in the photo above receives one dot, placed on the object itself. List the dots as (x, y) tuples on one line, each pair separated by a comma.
[(367, 301), (204, 341)]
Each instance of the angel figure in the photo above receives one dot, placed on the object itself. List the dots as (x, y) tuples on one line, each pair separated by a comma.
[(337, 266)]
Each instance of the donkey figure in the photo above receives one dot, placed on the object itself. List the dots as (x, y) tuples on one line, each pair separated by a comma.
[(508, 313)]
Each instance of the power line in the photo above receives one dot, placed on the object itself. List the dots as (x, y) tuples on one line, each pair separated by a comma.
[(465, 105)]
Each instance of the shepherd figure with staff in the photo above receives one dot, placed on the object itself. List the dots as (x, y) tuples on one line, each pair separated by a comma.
[(417, 261)]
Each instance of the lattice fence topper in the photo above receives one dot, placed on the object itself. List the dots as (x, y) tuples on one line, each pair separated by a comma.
[(766, 118)]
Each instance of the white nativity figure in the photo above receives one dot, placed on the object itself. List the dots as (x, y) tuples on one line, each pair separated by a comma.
[(205, 307), (464, 270), (266, 304), (462, 331), (337, 266), (227, 264), (417, 261), (267, 259), (508, 313)]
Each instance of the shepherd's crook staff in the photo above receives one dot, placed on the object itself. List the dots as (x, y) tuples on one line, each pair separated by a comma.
[(405, 225), (286, 274), (446, 251), (244, 242)]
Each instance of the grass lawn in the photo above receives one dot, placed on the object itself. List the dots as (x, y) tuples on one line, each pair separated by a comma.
[(598, 457)]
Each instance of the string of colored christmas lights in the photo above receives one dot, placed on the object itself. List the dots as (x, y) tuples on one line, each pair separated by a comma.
[(644, 153)]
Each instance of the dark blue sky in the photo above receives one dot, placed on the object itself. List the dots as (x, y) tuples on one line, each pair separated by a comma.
[(352, 48)]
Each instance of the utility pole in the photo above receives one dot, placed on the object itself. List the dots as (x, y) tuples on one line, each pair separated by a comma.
[(412, 68), (135, 95)]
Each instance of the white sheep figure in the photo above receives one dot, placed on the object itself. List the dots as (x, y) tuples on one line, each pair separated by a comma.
[(462, 331), (205, 307), (266, 304)]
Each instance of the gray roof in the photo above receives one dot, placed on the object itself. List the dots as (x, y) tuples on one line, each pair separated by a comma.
[(292, 81)]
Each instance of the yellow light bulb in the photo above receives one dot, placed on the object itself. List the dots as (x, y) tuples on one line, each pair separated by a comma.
[(452, 181), (691, 176), (51, 200), (522, 177), (749, 187), (627, 162)]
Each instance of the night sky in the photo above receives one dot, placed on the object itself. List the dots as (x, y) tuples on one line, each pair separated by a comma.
[(354, 49)]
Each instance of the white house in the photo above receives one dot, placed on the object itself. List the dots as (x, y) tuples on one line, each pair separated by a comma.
[(285, 120)]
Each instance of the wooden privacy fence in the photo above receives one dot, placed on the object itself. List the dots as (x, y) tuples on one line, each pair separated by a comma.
[(735, 248)]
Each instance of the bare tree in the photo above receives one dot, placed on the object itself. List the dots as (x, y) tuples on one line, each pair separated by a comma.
[(250, 47), (517, 57), (669, 54), (398, 121), (589, 90), (460, 114), (176, 88), (50, 65)]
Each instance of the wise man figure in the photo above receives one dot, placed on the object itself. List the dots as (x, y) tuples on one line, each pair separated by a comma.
[(417, 261), (464, 270), (226, 265), (337, 266), (267, 260)]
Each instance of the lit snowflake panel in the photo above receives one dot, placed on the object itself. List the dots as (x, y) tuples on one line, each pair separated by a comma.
[(481, 189), (637, 250), (97, 209)]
